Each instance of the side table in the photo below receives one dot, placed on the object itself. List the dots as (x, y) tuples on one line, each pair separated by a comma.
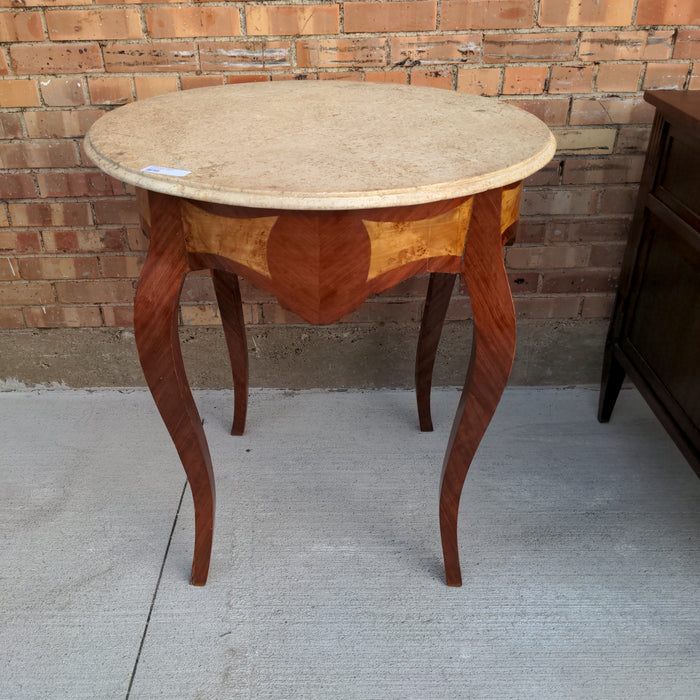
[(323, 193)]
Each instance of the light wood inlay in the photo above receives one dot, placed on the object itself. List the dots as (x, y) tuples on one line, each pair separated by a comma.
[(243, 240), (398, 243), (510, 205)]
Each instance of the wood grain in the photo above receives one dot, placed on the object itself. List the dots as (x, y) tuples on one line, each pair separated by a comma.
[(395, 243), (228, 296), (155, 326), (493, 349), (436, 302)]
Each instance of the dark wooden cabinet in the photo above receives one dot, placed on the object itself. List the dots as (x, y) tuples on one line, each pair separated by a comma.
[(654, 335)]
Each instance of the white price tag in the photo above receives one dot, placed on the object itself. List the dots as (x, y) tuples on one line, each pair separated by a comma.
[(158, 170)]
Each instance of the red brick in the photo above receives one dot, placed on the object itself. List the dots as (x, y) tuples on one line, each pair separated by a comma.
[(585, 13), (585, 171), (607, 254), (63, 92), (263, 78), (625, 46), (552, 111), (338, 53), (523, 282), (665, 76), (547, 257), (62, 316), (281, 20), (136, 239), (612, 110), (618, 200), (60, 123), (38, 154), (52, 268), (530, 231), (10, 126), (17, 186), (632, 139), (619, 77), (115, 211), (19, 93), (598, 306), (21, 293), (687, 44), (77, 184), (694, 82), (353, 76), (162, 56), (95, 291), (4, 63), (412, 51), (119, 316), (479, 81), (559, 201), (547, 307), (183, 21), (121, 265), (398, 77), (588, 230), (188, 82), (396, 16), (668, 12), (524, 80), (95, 24), (4, 220), (548, 175), (571, 79), (9, 268), (20, 242), (110, 90), (245, 55), (432, 78), (152, 85), (51, 214), (53, 59), (21, 26), (11, 319), (544, 47), (578, 281), (487, 14), (89, 240)]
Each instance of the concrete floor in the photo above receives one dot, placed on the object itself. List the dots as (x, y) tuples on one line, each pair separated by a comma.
[(580, 548)]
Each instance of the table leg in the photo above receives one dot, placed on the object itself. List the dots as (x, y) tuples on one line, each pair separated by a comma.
[(436, 302), (493, 349), (155, 325), (228, 296)]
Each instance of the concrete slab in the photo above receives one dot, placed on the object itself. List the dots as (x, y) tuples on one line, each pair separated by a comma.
[(580, 546), (89, 497)]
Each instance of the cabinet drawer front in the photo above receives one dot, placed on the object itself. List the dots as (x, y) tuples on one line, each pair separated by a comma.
[(679, 182)]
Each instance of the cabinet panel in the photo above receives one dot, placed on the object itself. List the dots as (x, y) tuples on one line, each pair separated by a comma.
[(664, 325)]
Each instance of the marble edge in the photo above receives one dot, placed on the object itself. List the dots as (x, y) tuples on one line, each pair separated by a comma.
[(179, 187)]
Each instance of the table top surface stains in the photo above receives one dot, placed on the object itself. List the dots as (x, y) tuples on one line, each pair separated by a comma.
[(322, 146)]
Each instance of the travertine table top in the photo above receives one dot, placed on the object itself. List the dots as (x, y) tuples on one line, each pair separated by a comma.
[(319, 145)]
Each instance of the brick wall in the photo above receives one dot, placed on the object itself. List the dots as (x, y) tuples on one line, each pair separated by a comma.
[(70, 246)]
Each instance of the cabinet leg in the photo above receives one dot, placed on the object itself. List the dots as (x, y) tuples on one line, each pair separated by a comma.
[(436, 302), (228, 296), (493, 349), (611, 382)]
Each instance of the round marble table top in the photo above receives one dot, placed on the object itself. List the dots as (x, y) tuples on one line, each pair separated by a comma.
[(319, 145)]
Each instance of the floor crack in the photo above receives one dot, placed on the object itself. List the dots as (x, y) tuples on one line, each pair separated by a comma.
[(155, 593)]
